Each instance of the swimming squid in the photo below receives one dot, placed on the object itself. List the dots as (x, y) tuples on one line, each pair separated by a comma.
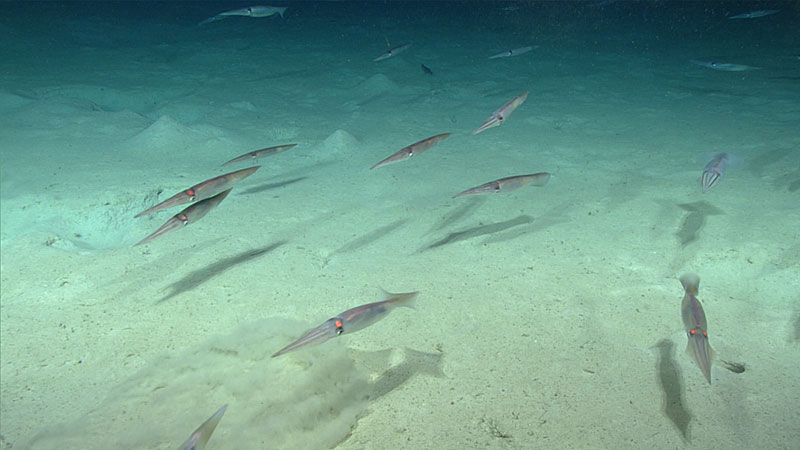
[(507, 184), (512, 52), (502, 113), (413, 149), (200, 437), (201, 191), (716, 167), (694, 320), (188, 216), (252, 11), (351, 321), (258, 154), (392, 52)]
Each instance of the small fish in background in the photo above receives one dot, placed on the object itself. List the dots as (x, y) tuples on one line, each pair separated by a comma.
[(512, 52), (755, 14), (200, 437), (351, 321), (412, 150), (258, 154), (716, 167), (188, 216), (694, 320), (427, 70), (725, 67), (392, 52), (501, 114), (507, 184), (252, 11)]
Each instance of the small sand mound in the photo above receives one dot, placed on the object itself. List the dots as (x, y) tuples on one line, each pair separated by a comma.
[(164, 134), (339, 141), (377, 84)]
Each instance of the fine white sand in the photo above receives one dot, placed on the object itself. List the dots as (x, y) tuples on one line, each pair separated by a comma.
[(548, 317)]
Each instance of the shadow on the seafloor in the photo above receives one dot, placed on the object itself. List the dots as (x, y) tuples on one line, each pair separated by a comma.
[(783, 172), (270, 186), (792, 181), (694, 220), (200, 276), (669, 380), (457, 214), (480, 230), (765, 162), (393, 376), (372, 236)]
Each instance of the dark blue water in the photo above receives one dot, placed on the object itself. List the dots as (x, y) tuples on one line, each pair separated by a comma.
[(549, 316)]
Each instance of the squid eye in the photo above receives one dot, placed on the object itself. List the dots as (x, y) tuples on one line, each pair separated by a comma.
[(339, 329), (692, 332)]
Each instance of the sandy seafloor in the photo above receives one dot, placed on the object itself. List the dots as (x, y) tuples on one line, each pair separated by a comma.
[(548, 317)]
